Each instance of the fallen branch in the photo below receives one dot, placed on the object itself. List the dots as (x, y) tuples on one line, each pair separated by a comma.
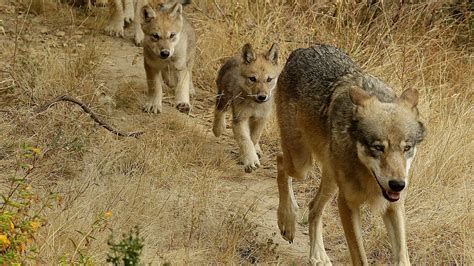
[(67, 98)]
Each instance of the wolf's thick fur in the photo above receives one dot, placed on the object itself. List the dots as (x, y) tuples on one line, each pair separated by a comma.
[(169, 49), (245, 83), (129, 11), (363, 136)]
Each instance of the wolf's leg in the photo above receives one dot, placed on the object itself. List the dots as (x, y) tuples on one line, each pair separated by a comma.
[(137, 23), (116, 23), (155, 91), (326, 191), (182, 91), (128, 11), (350, 217), (222, 104), (394, 219), (248, 155), (256, 129), (295, 161)]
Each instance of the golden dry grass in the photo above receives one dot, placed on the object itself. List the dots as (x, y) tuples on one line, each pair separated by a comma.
[(181, 185)]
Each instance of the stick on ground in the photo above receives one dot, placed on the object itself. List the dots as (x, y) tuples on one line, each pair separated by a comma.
[(67, 98)]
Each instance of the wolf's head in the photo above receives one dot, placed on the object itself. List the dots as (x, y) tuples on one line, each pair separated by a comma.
[(386, 136), (259, 72), (163, 29)]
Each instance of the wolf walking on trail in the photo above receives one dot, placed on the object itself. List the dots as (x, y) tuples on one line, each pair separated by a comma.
[(363, 136), (245, 83), (169, 48)]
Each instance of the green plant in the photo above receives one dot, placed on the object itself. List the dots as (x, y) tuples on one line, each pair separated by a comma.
[(128, 250)]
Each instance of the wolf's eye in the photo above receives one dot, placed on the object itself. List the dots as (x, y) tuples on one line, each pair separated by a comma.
[(155, 36), (172, 35), (269, 79), (407, 148), (253, 79), (379, 148)]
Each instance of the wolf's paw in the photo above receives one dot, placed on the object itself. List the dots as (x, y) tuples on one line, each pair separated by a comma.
[(259, 151), (139, 36), (320, 259), (128, 16), (183, 107), (115, 28), (287, 222), (152, 107), (250, 162)]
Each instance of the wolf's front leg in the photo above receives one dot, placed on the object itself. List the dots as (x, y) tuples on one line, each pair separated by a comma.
[(128, 11), (182, 91), (116, 23), (248, 155), (256, 129), (155, 91), (139, 35), (394, 219), (350, 218)]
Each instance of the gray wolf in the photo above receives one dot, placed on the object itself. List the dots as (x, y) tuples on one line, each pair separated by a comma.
[(363, 136), (124, 12), (245, 84), (169, 49)]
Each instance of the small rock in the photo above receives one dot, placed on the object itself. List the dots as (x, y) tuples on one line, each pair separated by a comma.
[(60, 34)]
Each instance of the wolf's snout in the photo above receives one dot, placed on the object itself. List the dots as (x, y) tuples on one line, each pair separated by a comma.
[(396, 185), (164, 54)]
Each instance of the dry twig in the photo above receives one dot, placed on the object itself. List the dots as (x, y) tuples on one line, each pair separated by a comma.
[(67, 98)]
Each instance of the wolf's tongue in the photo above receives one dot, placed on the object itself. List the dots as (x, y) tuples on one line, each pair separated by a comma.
[(393, 195)]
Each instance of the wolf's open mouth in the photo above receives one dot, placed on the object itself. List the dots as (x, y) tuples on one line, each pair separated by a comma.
[(388, 195)]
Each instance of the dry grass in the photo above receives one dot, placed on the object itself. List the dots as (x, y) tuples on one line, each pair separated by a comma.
[(180, 186)]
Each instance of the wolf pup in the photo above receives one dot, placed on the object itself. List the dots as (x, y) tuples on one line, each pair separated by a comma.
[(245, 83), (169, 48), (364, 138), (127, 11)]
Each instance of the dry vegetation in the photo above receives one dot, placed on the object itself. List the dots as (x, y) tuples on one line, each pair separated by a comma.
[(181, 185)]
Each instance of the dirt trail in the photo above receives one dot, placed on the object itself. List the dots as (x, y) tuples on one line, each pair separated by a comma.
[(258, 188), (122, 70)]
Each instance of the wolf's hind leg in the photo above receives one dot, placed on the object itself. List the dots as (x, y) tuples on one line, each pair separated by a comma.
[(128, 13), (326, 191), (395, 223)]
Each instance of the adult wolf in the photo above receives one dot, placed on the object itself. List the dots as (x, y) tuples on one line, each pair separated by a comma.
[(245, 83), (363, 136)]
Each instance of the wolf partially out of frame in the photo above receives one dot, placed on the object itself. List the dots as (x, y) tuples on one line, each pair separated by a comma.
[(364, 138)]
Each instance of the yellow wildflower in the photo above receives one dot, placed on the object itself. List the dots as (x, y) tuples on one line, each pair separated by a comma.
[(108, 214), (4, 241), (35, 150), (35, 225), (12, 226)]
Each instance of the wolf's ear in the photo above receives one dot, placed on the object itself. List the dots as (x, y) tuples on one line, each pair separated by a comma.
[(272, 54), (176, 10), (409, 98), (148, 14), (248, 54), (359, 96)]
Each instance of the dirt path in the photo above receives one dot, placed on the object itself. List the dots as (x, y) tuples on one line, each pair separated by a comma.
[(125, 78)]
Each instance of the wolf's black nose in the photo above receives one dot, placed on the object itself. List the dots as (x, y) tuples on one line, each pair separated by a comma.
[(396, 185), (164, 54), (262, 98)]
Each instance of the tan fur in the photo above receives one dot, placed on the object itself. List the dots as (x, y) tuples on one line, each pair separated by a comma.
[(361, 134), (169, 49), (245, 83), (129, 11)]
